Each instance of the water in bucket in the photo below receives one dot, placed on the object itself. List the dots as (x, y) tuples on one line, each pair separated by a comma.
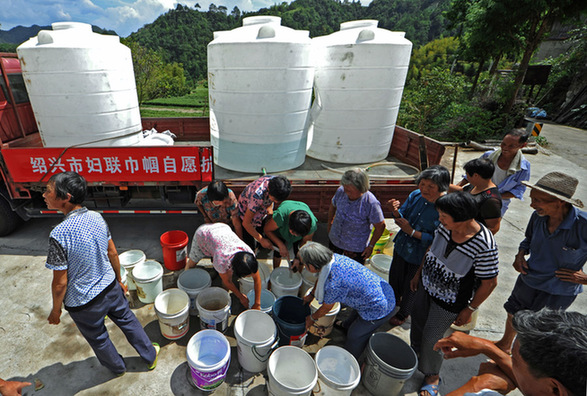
[(289, 313), (338, 371), (214, 308), (208, 356), (390, 363), (256, 336), (193, 281), (172, 309), (291, 371), (284, 282), (267, 300)]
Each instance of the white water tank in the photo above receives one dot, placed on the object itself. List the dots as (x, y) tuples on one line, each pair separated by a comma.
[(81, 86), (359, 81), (260, 80)]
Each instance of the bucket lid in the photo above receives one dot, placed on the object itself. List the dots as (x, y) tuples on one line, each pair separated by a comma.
[(382, 262), (194, 279), (147, 271), (130, 258), (285, 278), (338, 368)]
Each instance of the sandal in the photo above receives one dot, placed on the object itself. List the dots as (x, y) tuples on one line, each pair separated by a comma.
[(432, 389)]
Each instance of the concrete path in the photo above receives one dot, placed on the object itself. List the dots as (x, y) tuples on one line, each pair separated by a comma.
[(63, 361)]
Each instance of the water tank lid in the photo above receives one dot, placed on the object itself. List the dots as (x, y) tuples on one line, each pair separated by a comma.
[(359, 24), (79, 26), (261, 19)]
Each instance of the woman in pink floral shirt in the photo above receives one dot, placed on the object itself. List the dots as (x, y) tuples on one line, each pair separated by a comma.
[(255, 203), (229, 254)]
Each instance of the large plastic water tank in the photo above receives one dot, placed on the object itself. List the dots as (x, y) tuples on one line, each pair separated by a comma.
[(260, 80), (359, 81), (81, 86)]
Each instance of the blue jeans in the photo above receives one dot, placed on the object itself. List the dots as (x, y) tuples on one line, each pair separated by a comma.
[(90, 322), (359, 331)]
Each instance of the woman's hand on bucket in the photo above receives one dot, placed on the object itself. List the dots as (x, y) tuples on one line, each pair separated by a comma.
[(245, 301)]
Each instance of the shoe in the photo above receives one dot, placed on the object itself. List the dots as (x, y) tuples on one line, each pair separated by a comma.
[(154, 364), (121, 374), (397, 321), (339, 325)]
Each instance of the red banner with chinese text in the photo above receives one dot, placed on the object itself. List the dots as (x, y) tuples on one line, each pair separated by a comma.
[(111, 164)]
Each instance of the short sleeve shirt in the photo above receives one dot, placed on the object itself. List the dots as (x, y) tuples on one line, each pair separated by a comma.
[(489, 203), (352, 222), (217, 240), (352, 284), (255, 197), (218, 214), (281, 218), (451, 270), (79, 245)]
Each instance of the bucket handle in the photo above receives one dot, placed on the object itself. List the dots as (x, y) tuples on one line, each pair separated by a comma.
[(264, 358), (183, 325)]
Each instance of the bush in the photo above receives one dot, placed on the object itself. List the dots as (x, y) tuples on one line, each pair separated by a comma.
[(463, 122)]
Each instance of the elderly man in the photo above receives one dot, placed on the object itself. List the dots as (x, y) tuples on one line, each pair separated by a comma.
[(549, 356), (511, 167), (556, 240)]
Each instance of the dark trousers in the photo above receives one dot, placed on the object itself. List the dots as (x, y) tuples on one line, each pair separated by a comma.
[(90, 322), (359, 331), (400, 275), (357, 256)]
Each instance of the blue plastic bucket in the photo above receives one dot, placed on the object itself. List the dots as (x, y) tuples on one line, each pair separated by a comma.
[(267, 300), (289, 313)]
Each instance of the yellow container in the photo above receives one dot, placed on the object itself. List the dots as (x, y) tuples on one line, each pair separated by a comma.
[(381, 243)]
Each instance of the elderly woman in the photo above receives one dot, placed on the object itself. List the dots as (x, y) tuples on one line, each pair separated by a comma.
[(417, 219), (458, 273), (347, 282), (352, 212), (229, 255)]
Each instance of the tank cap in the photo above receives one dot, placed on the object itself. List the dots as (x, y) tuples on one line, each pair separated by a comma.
[(80, 26), (366, 35), (266, 32), (45, 37), (359, 24), (261, 19)]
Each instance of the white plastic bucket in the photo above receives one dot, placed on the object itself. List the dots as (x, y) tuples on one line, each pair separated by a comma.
[(256, 336), (123, 276), (291, 371), (308, 281), (172, 308), (323, 326), (338, 371), (468, 326), (193, 281), (148, 278), (208, 355), (128, 260), (267, 300), (246, 283), (390, 363), (214, 308), (285, 282), (380, 264)]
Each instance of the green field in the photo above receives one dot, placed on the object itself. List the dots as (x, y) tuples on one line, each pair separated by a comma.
[(194, 104)]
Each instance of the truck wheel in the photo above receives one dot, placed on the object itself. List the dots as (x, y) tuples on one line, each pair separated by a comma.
[(9, 220)]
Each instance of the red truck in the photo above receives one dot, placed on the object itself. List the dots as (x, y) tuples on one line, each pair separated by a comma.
[(157, 180)]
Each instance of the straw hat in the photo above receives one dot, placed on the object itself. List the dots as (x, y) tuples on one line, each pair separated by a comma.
[(559, 185)]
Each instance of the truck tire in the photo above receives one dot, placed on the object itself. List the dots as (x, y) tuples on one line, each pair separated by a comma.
[(9, 220)]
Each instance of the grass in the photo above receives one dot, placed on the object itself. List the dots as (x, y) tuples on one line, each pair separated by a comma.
[(194, 104)]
